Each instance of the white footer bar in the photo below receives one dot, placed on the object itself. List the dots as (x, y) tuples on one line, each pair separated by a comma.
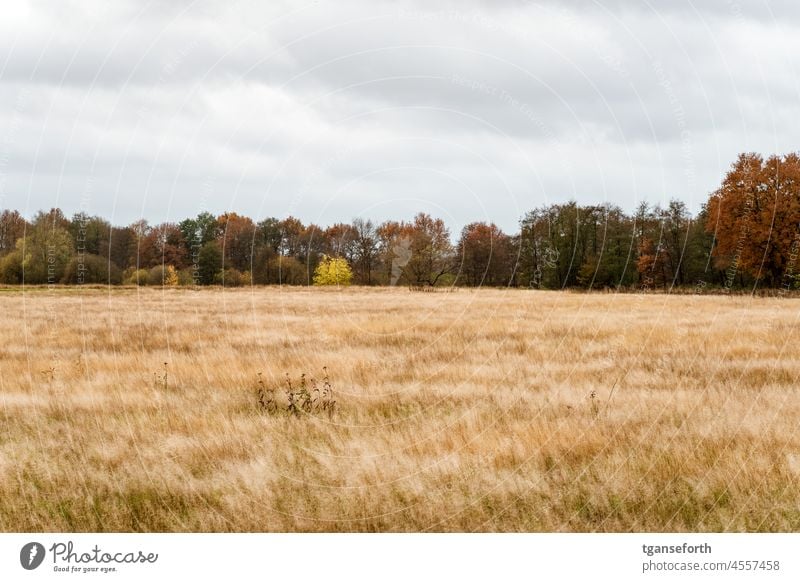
[(401, 557)]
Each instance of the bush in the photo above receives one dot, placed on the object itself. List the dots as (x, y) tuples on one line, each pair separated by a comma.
[(333, 271), (186, 277), (137, 277), (45, 253), (165, 275), (91, 269), (171, 276), (11, 268), (281, 271), (230, 278)]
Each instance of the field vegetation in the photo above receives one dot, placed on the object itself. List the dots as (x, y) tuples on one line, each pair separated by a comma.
[(172, 409)]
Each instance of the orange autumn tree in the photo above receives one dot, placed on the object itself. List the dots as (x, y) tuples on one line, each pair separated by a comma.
[(236, 234), (754, 216), (486, 255), (652, 264)]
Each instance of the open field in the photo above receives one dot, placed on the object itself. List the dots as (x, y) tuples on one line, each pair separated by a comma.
[(483, 410)]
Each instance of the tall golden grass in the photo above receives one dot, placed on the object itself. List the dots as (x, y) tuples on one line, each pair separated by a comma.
[(483, 410)]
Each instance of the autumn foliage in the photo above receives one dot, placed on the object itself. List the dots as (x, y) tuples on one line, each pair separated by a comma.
[(746, 236), (755, 218), (333, 271)]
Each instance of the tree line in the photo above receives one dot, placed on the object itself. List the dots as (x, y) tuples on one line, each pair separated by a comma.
[(747, 233)]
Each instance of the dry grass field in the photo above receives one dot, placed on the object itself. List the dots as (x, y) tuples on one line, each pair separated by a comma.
[(483, 410)]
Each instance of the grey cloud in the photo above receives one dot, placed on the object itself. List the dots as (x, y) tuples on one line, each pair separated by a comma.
[(327, 110)]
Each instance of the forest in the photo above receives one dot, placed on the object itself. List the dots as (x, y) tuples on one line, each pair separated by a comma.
[(746, 234)]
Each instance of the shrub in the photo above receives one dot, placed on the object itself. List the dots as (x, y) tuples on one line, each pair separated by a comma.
[(91, 269), (171, 276), (45, 253), (230, 278), (11, 268), (165, 275), (280, 271), (333, 271), (137, 277), (186, 277)]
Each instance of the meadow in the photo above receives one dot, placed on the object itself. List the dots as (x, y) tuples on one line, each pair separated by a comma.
[(477, 410)]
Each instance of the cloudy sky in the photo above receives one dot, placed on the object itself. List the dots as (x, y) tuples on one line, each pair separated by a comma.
[(328, 110)]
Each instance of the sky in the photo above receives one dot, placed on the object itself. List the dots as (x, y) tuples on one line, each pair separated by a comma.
[(469, 110)]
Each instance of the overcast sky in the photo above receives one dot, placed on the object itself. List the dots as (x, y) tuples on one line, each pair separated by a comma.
[(330, 110)]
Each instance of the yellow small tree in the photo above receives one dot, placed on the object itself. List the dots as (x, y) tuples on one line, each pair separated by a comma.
[(170, 276), (333, 271)]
